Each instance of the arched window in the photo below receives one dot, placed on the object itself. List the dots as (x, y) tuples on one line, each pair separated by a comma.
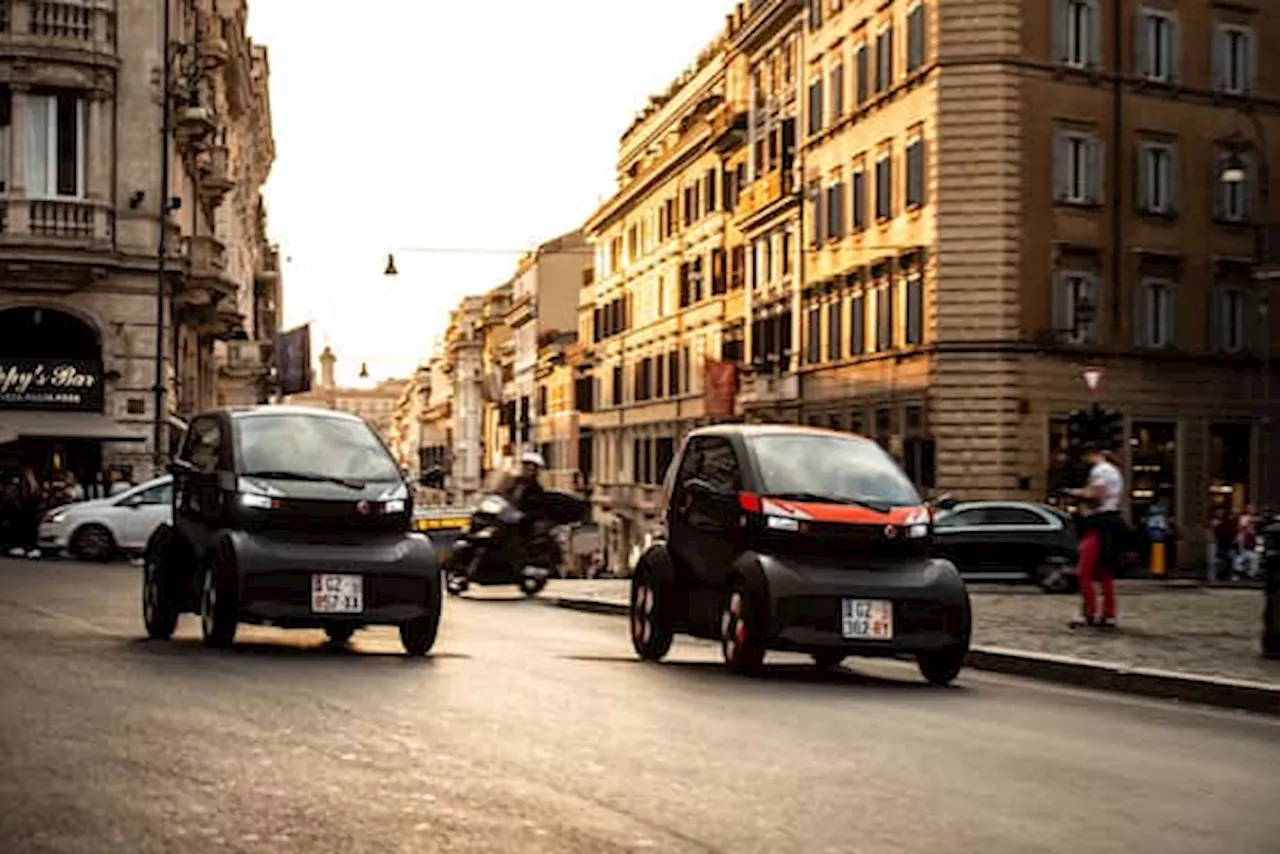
[(46, 333)]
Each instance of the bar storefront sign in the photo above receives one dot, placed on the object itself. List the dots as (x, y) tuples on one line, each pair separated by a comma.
[(55, 384)]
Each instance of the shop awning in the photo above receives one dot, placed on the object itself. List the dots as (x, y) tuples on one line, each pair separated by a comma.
[(67, 425)]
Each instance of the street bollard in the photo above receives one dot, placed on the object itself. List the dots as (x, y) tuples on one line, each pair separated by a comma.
[(1271, 572), (1157, 559)]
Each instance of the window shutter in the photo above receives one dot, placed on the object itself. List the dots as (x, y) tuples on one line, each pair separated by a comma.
[(1219, 58), (1061, 166), (1219, 186), (1250, 64), (1175, 168), (1175, 48), (1094, 290), (1217, 342), (1143, 26), (915, 38), (1169, 315), (821, 217), (1061, 304), (1142, 297), (1094, 34), (888, 71), (861, 72), (858, 325), (840, 208), (1095, 161), (1256, 327), (1061, 24), (1246, 194), (1142, 176)]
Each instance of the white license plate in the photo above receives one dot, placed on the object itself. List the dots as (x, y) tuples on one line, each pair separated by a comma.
[(337, 594), (867, 619)]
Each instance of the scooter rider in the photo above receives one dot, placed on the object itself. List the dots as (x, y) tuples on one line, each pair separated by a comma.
[(524, 490)]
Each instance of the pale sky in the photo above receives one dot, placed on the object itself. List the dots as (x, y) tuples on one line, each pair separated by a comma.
[(429, 124)]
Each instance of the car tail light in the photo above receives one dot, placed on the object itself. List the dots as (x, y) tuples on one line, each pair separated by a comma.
[(749, 502)]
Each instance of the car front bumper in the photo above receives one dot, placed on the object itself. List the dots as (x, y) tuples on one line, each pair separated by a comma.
[(54, 536), (929, 603), (400, 580)]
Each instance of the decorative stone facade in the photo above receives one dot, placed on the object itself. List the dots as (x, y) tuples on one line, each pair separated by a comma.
[(81, 95)]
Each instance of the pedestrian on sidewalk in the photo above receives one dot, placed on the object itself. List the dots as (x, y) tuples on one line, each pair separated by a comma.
[(1102, 530), (1248, 562)]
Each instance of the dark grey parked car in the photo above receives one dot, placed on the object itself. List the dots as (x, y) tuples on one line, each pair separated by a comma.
[(1009, 541)]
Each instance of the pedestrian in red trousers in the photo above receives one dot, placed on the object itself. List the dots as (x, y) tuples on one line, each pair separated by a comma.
[(1101, 535)]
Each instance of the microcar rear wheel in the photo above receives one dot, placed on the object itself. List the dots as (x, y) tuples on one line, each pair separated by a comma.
[(419, 635), (217, 609), (741, 631), (159, 612), (339, 635), (651, 624), (828, 660), (943, 666)]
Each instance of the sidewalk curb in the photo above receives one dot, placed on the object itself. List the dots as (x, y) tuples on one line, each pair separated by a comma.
[(1103, 676)]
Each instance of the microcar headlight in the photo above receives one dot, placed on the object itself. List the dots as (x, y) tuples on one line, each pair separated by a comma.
[(394, 499), (256, 495)]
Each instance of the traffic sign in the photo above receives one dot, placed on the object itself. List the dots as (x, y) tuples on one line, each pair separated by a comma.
[(1092, 377)]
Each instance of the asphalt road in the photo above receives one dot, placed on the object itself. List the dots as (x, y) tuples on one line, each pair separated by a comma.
[(532, 729)]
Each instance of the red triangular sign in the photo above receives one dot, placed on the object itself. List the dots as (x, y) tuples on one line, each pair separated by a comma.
[(1092, 378)]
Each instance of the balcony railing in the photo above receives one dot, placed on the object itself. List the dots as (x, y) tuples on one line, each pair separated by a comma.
[(61, 20), (80, 24), (61, 219), (54, 221)]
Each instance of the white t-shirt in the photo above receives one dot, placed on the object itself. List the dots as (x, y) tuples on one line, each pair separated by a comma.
[(1106, 477)]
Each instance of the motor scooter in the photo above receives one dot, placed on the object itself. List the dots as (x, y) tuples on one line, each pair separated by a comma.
[(495, 551)]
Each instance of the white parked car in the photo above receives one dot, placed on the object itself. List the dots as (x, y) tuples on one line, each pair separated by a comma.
[(103, 528)]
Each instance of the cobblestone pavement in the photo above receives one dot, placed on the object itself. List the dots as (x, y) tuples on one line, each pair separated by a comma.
[(1203, 632)]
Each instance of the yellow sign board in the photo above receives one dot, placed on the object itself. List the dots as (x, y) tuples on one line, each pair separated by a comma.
[(447, 523)]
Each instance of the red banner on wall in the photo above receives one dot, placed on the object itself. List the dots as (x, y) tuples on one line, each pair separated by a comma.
[(720, 389)]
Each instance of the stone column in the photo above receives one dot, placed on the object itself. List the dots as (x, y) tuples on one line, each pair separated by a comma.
[(19, 221), (98, 142)]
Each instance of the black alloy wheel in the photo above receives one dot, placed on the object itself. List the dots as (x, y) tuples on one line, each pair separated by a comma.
[(651, 626), (93, 544), (942, 666), (339, 634), (826, 660), (159, 611), (217, 608), (1054, 575), (419, 636), (741, 631)]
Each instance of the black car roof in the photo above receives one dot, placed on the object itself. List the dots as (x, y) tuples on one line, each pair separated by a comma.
[(746, 431), (238, 412)]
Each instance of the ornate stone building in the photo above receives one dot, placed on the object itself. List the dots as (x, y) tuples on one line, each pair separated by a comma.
[(82, 95)]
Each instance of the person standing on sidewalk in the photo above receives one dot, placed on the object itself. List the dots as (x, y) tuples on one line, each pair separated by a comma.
[(1101, 536)]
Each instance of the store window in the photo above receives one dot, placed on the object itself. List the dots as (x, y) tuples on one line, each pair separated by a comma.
[(1153, 475), (1230, 467), (1063, 471)]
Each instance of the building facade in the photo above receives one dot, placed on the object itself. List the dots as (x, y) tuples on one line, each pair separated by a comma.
[(544, 308), (999, 197), (664, 301), (81, 202)]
